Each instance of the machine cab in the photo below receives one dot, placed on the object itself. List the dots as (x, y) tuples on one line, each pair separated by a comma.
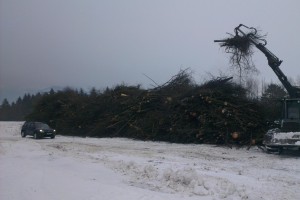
[(290, 115)]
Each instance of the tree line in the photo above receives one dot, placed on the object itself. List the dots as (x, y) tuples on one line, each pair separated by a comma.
[(19, 109)]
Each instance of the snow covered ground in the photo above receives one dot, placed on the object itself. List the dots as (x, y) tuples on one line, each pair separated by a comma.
[(71, 168)]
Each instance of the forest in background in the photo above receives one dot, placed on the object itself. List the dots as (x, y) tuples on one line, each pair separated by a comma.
[(218, 111)]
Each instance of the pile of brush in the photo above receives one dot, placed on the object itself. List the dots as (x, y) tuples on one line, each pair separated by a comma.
[(181, 111)]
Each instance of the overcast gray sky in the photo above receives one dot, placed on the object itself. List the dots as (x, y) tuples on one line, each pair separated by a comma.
[(99, 43)]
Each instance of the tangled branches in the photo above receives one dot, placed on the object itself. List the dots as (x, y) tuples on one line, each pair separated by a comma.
[(240, 48)]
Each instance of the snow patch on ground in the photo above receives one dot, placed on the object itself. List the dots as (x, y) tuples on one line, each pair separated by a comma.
[(186, 180)]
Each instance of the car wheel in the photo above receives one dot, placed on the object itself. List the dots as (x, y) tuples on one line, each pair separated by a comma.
[(53, 136), (35, 135), (23, 134)]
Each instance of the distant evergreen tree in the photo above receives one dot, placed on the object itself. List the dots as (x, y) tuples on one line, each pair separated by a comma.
[(271, 101), (274, 91), (93, 92), (52, 91), (5, 110), (5, 104)]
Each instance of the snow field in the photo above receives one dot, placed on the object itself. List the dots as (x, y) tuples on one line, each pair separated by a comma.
[(116, 168)]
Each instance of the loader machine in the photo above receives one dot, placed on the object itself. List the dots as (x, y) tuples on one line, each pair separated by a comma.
[(287, 135)]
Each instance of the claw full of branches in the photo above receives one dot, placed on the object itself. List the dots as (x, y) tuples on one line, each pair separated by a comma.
[(240, 48)]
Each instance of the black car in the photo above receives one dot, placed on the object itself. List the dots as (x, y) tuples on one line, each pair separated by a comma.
[(37, 130)]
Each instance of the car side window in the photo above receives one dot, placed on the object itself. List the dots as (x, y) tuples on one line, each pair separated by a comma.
[(30, 125)]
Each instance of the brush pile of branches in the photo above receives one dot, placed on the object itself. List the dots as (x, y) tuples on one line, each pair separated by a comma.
[(216, 112)]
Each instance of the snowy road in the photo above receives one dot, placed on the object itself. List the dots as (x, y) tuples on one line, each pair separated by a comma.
[(70, 168)]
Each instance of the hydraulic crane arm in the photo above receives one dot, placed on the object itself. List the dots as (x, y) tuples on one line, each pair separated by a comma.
[(273, 61)]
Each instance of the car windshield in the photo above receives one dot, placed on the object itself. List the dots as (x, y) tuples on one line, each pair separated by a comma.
[(42, 126)]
